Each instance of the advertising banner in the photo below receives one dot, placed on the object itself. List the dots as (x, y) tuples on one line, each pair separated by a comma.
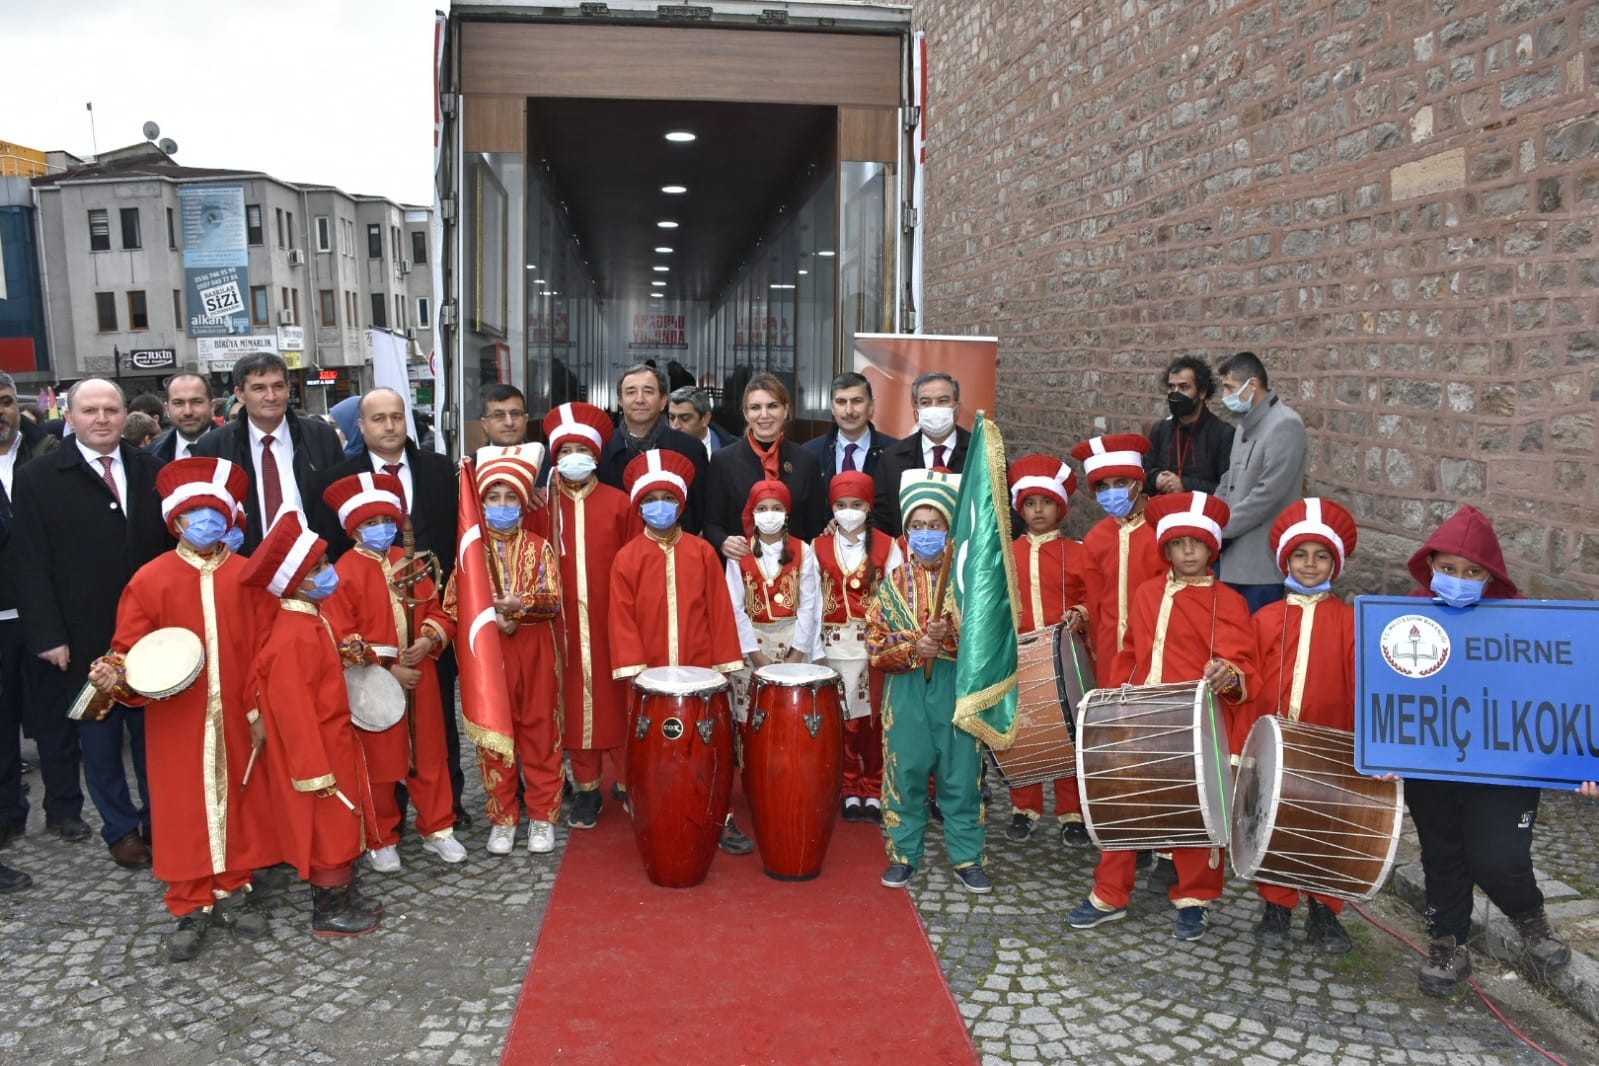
[(152, 359), (220, 353), (215, 259), (1502, 693), (891, 361)]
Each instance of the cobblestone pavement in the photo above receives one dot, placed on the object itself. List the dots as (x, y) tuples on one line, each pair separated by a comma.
[(85, 981)]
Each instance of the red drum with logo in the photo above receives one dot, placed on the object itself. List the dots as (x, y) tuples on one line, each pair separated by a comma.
[(679, 770), (794, 766)]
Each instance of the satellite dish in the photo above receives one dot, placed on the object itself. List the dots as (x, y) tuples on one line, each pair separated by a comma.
[(151, 131), (169, 146)]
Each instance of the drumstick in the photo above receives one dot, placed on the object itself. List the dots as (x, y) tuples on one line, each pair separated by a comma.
[(342, 798), (938, 601), (249, 768)]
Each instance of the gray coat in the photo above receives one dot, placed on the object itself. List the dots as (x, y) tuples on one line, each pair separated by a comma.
[(1266, 474)]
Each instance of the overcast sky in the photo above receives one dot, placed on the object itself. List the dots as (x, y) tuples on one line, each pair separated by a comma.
[(335, 92)]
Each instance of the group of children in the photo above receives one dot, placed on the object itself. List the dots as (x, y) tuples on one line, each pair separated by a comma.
[(593, 586)]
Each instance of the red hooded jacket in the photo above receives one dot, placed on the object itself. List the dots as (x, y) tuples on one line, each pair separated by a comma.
[(1469, 534)]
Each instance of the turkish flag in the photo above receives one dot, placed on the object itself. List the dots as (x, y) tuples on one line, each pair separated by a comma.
[(485, 700)]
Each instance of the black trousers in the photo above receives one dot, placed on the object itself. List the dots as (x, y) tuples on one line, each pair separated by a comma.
[(1474, 835), (30, 697)]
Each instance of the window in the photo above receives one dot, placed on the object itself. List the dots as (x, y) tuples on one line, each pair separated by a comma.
[(349, 309), (327, 309), (285, 304), (374, 241), (290, 216), (99, 231), (419, 246), (138, 313), (177, 308), (172, 231), (422, 309), (294, 301), (130, 228), (324, 240), (348, 247), (379, 319), (105, 310), (252, 224), (277, 213), (394, 242), (399, 311), (260, 311)]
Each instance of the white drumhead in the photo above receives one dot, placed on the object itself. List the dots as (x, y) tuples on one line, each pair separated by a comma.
[(1256, 796), (377, 700), (680, 680), (165, 662), (1212, 765), (808, 674)]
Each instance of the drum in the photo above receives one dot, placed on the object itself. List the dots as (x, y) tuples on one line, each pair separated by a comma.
[(679, 770), (377, 699), (164, 662), (794, 766), (1153, 767), (1053, 672), (1304, 818)]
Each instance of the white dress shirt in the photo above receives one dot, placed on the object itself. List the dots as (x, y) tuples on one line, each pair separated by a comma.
[(948, 444), (378, 463), (808, 612), (181, 446), (862, 446), (8, 463), (119, 473), (283, 452)]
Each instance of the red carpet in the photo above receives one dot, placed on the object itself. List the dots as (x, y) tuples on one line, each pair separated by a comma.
[(742, 969)]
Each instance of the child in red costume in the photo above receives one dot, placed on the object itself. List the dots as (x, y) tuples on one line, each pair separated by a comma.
[(775, 591)]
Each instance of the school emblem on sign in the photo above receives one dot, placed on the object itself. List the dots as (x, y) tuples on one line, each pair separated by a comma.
[(1415, 646)]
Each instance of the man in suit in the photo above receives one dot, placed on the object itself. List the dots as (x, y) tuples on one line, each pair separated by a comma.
[(937, 442), (282, 452), (189, 411), (643, 395), (432, 503), (504, 418), (690, 412), (853, 443), (87, 516)]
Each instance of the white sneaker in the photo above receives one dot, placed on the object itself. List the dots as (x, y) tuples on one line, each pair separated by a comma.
[(446, 847), (384, 860), (540, 837), (502, 839)]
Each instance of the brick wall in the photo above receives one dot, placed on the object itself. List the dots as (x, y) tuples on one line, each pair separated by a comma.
[(1394, 204)]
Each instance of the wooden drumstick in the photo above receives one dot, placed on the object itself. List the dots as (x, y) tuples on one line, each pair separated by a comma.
[(249, 768), (938, 601), (342, 798)]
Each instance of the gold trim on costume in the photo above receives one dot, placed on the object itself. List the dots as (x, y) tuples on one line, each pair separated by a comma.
[(1124, 551), (1307, 619), (579, 500), (315, 784), (214, 765), (299, 607)]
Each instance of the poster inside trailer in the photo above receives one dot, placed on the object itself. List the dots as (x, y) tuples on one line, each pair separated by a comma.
[(1502, 693)]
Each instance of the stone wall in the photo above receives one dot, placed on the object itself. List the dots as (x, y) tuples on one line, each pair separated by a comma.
[(1394, 204)]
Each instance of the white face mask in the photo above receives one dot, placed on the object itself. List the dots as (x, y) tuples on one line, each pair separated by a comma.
[(849, 519), (936, 421), (770, 522), (576, 466)]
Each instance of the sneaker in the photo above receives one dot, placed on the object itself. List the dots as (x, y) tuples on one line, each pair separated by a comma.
[(446, 847), (1272, 931), (974, 879), (1325, 932), (540, 838), (1191, 922), (1540, 944), (898, 875), (874, 810), (585, 812), (734, 842), (1075, 835), (502, 839), (853, 810), (385, 860), (1089, 914), (1021, 826), (1448, 964)]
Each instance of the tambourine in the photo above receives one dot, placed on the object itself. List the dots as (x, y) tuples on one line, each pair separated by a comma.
[(377, 700), (164, 663)]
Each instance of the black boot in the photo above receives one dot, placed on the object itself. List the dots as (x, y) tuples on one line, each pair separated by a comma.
[(332, 915), (185, 942), (1325, 932), (360, 901), (237, 911), (1448, 963), (1540, 944), (1272, 931)]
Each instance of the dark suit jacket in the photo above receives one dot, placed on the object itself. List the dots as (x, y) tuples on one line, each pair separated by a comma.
[(896, 459), (32, 442), (735, 470), (614, 458), (825, 449), (165, 447), (434, 512), (75, 549), (316, 448)]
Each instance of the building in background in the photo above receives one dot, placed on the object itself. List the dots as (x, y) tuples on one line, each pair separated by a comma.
[(22, 326)]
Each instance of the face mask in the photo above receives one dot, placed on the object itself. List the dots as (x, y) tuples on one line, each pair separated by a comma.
[(504, 519), (927, 543), (205, 528), (1118, 503), (234, 539), (1181, 404), (936, 421), (770, 522), (1306, 590), (323, 584), (849, 519), (1457, 591), (659, 515), (1235, 402), (378, 538), (576, 466)]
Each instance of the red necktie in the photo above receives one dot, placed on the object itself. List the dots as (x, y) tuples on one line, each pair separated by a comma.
[(938, 454), (849, 456), (272, 486), (111, 482), (392, 469)]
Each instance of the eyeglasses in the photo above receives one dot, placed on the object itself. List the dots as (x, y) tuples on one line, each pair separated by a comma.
[(505, 416)]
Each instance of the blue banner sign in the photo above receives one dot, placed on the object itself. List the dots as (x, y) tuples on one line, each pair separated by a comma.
[(216, 259), (1502, 693)]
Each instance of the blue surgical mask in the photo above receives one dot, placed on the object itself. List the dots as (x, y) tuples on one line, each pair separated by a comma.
[(1306, 590), (378, 538), (323, 584), (1118, 503), (659, 515), (1235, 401), (205, 527), (927, 543), (234, 539), (504, 519), (1457, 591)]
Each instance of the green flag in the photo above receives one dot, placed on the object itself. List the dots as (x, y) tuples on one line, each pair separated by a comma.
[(985, 593)]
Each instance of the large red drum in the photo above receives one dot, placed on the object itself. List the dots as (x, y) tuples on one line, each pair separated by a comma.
[(679, 770), (794, 766)]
